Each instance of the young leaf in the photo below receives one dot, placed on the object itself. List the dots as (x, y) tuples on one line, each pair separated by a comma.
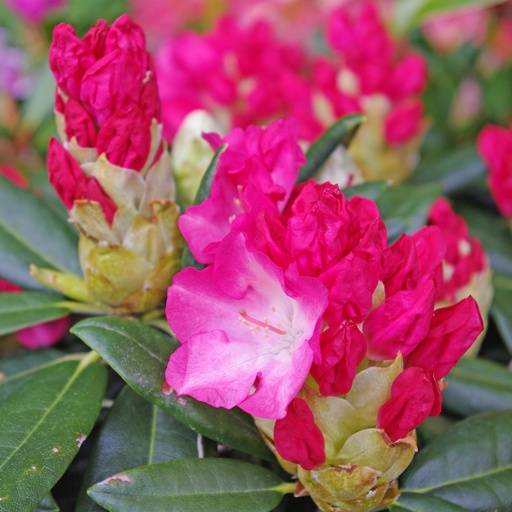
[(190, 485), (139, 354), (405, 208), (23, 309), (45, 421), (31, 233), (340, 132), (478, 385), (135, 433), (413, 502), (205, 188), (470, 465)]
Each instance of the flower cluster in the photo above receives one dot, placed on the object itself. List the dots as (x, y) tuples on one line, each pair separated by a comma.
[(253, 78), (113, 171), (305, 315)]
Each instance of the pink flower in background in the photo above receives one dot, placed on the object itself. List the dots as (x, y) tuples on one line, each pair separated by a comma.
[(464, 257), (495, 147), (14, 78), (34, 10), (447, 32)]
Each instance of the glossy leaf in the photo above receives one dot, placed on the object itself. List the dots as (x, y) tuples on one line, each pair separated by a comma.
[(205, 188), (478, 385), (470, 465), (23, 309), (413, 502), (16, 363), (454, 171), (405, 208), (42, 425), (135, 433), (370, 190), (493, 233), (412, 13), (31, 233), (47, 505), (501, 309), (191, 485), (139, 354), (340, 132)]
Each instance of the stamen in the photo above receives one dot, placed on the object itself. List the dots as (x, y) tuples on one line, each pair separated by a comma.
[(246, 316)]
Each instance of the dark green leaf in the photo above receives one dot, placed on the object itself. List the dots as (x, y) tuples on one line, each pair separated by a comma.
[(454, 171), (413, 502), (203, 193), (478, 385), (47, 505), (42, 425), (470, 465), (405, 208), (191, 485), (370, 190), (135, 433), (501, 309), (340, 132), (18, 310), (31, 233), (139, 354), (16, 363)]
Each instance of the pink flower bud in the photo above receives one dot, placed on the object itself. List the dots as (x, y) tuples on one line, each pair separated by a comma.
[(400, 323), (126, 138), (78, 123), (297, 438), (343, 349), (71, 184), (415, 395), (452, 331)]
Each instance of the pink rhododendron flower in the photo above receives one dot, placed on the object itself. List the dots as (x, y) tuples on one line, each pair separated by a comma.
[(495, 146), (256, 172), (14, 78), (255, 338), (297, 438), (415, 396)]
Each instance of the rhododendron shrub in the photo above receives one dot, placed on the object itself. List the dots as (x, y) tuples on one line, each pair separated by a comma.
[(112, 170), (302, 281)]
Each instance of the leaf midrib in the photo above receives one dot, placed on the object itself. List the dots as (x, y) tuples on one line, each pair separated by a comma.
[(469, 478), (57, 400)]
